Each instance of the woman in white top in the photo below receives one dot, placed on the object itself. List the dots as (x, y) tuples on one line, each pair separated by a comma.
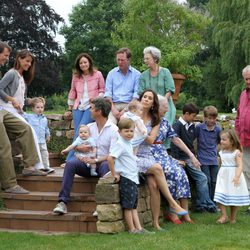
[(13, 88)]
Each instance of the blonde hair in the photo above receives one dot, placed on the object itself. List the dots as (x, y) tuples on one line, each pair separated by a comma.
[(210, 111), (36, 100), (133, 105), (125, 123)]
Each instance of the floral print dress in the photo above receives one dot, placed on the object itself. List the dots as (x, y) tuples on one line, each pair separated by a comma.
[(175, 174)]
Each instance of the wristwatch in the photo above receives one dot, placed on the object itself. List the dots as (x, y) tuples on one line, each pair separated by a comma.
[(96, 160)]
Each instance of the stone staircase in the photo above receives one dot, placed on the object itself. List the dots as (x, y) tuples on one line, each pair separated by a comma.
[(33, 211)]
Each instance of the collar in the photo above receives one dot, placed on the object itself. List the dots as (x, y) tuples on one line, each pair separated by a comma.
[(129, 69), (36, 115), (204, 126), (184, 123), (124, 141)]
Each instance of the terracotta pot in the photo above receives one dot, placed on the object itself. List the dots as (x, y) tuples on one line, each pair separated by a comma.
[(55, 160), (178, 81)]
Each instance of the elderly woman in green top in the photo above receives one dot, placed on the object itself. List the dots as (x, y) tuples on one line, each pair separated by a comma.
[(158, 79)]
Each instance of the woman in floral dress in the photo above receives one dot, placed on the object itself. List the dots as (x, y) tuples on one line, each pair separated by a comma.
[(175, 174)]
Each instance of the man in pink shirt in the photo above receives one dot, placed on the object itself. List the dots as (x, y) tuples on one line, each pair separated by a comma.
[(242, 125)]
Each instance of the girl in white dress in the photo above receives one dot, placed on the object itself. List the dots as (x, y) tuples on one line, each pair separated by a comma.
[(231, 189)]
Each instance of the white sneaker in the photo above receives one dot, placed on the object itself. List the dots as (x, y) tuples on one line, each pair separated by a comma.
[(61, 208), (95, 213)]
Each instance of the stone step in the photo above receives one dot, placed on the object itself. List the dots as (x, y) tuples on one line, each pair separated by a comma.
[(46, 201), (47, 221), (52, 183)]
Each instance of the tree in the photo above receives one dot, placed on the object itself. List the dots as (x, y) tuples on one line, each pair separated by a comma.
[(199, 4), (91, 23), (231, 37), (32, 24), (174, 29)]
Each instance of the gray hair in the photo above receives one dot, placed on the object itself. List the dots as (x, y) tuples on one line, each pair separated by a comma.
[(161, 99), (156, 53), (245, 70)]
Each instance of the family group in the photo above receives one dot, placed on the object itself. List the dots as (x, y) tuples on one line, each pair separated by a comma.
[(126, 125)]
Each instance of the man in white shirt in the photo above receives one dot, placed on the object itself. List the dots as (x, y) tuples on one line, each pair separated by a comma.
[(105, 134)]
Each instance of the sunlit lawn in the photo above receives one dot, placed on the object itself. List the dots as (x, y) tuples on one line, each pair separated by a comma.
[(205, 234)]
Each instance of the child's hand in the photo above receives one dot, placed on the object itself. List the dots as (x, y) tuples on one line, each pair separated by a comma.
[(182, 163), (64, 152), (48, 139), (236, 181), (117, 178)]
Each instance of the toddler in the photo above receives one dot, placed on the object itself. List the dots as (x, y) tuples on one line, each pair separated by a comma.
[(84, 138), (39, 123), (231, 189), (134, 113), (122, 164)]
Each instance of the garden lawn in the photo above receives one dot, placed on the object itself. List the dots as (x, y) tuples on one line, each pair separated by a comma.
[(205, 234)]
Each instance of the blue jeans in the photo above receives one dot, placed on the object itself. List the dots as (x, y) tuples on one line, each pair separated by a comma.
[(211, 172), (73, 167), (203, 200), (80, 117)]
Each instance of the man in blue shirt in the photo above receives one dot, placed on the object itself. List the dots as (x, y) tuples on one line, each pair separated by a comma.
[(121, 84)]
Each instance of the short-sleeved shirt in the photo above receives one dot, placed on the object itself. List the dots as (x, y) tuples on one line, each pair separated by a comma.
[(125, 160)]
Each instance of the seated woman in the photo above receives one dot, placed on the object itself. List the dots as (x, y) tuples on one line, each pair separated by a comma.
[(147, 163), (175, 174)]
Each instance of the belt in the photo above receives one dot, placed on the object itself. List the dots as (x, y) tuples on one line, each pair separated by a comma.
[(158, 142)]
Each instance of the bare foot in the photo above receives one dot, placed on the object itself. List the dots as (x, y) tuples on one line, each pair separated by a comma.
[(222, 220)]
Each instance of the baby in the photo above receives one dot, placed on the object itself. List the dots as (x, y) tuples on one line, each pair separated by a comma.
[(84, 138), (134, 113)]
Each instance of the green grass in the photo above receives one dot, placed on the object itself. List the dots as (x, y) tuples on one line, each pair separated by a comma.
[(205, 234)]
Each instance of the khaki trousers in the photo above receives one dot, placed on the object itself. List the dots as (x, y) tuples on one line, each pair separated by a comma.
[(23, 134), (119, 106), (246, 166)]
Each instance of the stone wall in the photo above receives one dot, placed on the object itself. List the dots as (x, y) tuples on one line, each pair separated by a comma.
[(110, 214)]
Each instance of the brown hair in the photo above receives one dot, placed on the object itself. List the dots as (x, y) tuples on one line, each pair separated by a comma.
[(36, 100), (29, 74), (154, 110), (78, 70), (4, 45), (125, 123), (233, 137), (210, 111), (190, 108), (124, 50)]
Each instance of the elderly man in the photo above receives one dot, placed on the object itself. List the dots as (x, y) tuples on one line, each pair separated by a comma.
[(23, 134), (242, 125), (121, 84), (105, 134)]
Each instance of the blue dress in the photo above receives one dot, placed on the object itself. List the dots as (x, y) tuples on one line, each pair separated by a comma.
[(175, 174), (145, 158)]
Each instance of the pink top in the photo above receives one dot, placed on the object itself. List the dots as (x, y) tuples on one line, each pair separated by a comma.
[(96, 87), (242, 122)]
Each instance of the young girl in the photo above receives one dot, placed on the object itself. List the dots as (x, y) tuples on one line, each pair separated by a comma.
[(84, 138), (231, 189), (40, 124)]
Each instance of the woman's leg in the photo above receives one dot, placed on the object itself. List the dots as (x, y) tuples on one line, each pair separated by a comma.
[(155, 200), (156, 170), (184, 204)]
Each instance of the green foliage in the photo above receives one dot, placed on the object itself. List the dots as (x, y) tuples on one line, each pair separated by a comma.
[(57, 144), (57, 102), (231, 36), (174, 29), (91, 23), (33, 25)]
